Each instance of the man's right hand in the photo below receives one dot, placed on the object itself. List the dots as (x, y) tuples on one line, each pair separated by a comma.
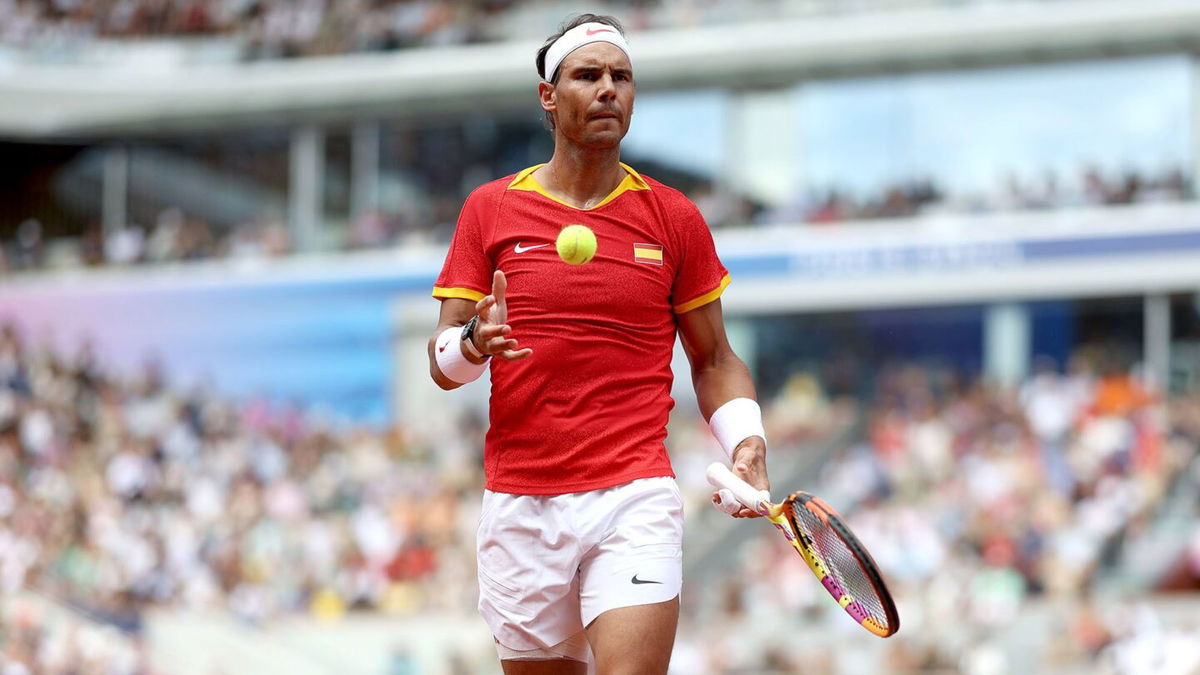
[(749, 464), (493, 336)]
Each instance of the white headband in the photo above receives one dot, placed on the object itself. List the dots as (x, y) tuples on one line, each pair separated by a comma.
[(583, 34)]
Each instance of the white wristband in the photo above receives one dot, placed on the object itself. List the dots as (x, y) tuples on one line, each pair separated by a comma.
[(450, 358), (735, 421)]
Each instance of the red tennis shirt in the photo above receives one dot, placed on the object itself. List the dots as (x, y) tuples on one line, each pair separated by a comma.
[(588, 409)]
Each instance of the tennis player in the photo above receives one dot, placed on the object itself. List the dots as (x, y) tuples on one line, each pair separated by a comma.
[(579, 542)]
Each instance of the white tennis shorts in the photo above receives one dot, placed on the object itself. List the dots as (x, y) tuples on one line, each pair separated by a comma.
[(549, 565)]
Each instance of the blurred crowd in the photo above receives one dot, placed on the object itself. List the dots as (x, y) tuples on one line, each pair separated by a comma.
[(295, 28), (979, 503), (120, 493), (176, 236), (1093, 187), (264, 28), (173, 238), (38, 637)]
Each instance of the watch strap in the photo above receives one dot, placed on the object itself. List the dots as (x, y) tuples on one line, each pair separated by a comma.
[(468, 336)]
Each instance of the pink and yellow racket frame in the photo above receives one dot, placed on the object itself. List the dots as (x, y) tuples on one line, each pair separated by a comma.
[(760, 501)]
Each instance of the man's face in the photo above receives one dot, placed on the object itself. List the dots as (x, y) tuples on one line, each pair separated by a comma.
[(593, 99)]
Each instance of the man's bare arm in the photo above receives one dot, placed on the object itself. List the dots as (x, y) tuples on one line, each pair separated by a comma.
[(719, 376)]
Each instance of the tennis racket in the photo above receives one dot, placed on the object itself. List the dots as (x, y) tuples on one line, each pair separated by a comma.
[(828, 547)]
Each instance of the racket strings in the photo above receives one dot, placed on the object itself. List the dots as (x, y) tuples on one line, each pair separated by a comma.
[(840, 560)]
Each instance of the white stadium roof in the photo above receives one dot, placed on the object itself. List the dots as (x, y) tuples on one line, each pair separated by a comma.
[(155, 92)]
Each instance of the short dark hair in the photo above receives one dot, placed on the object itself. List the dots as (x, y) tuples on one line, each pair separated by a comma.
[(573, 22)]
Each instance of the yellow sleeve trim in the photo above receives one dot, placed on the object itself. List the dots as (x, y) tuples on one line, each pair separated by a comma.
[(464, 293), (704, 299)]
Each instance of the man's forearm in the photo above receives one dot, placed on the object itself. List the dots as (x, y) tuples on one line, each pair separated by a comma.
[(741, 434), (721, 381)]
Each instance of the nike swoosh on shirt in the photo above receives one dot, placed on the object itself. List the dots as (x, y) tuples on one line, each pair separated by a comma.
[(521, 249), (643, 581)]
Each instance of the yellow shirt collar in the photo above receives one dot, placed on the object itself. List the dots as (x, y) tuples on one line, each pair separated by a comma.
[(525, 181)]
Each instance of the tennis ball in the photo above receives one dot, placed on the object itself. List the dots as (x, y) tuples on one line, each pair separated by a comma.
[(576, 244)]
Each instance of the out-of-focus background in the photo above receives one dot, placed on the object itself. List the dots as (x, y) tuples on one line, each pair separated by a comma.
[(966, 259)]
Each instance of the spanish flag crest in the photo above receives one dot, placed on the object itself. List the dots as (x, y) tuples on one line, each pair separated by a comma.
[(650, 254)]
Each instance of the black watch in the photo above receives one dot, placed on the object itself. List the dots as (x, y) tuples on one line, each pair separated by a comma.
[(468, 335)]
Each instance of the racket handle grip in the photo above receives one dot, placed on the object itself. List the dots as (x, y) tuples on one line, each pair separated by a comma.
[(719, 476)]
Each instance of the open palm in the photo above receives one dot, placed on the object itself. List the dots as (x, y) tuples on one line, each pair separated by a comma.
[(493, 334)]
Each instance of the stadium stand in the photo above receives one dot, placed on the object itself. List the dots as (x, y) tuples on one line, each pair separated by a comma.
[(121, 494), (1046, 524), (981, 503), (175, 236), (267, 29)]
